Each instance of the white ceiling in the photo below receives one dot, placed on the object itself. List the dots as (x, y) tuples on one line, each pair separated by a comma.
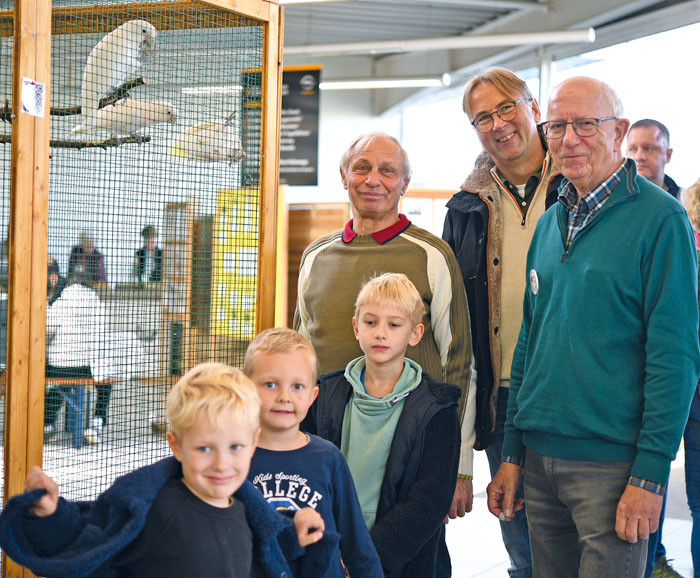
[(309, 25)]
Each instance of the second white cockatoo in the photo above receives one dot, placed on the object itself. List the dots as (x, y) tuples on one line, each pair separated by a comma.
[(209, 141), (129, 116), (112, 61)]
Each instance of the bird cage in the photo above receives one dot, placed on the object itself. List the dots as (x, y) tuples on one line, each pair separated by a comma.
[(146, 168)]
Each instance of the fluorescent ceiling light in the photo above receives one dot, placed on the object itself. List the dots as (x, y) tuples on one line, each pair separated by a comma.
[(212, 89), (373, 83), (305, 1), (445, 43)]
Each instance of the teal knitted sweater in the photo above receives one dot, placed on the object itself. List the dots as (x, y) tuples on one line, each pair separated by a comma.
[(607, 357)]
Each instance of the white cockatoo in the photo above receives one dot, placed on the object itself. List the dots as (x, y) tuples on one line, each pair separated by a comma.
[(209, 141), (112, 61), (128, 116)]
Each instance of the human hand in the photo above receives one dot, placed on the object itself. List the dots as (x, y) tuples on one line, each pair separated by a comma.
[(309, 525), (462, 501), (47, 504), (501, 492), (638, 514)]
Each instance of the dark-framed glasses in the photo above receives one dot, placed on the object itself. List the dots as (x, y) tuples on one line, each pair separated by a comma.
[(506, 112), (582, 126)]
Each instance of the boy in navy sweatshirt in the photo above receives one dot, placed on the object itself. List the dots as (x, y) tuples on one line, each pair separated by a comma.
[(293, 469)]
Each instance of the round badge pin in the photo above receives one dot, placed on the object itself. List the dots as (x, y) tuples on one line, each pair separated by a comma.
[(534, 282)]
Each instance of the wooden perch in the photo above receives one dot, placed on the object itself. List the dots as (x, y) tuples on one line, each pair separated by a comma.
[(117, 94), (87, 144), (122, 91)]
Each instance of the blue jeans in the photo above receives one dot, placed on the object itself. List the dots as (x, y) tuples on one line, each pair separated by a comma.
[(691, 439), (514, 533), (572, 505)]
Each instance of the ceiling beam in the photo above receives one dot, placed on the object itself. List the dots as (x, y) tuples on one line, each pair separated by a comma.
[(520, 57), (445, 43), (488, 4)]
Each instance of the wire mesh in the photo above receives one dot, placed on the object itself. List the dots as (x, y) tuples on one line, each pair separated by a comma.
[(153, 220)]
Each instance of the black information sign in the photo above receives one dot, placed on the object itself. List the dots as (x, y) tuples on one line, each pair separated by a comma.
[(299, 142)]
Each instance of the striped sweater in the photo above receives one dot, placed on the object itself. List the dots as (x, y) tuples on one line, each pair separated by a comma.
[(333, 269)]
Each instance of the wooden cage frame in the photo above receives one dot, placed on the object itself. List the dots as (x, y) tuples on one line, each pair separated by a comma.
[(32, 22)]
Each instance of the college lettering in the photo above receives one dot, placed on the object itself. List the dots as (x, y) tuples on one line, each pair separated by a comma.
[(292, 486)]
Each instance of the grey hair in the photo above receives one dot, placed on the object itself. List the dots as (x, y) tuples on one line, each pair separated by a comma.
[(369, 137), (506, 81)]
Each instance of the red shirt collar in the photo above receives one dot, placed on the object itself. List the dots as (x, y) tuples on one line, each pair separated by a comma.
[(382, 236)]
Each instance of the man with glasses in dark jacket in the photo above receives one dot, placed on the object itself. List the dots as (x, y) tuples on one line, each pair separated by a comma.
[(489, 225)]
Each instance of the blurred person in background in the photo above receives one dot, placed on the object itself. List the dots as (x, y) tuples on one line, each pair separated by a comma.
[(148, 260), (648, 143), (691, 436), (91, 260), (75, 325)]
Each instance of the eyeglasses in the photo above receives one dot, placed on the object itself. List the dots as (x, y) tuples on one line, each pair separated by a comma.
[(506, 112), (582, 126)]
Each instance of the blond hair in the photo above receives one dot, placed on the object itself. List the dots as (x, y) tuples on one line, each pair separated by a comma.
[(278, 340), (215, 392), (505, 81), (393, 289), (692, 204)]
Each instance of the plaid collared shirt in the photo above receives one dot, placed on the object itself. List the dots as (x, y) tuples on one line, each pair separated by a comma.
[(647, 485), (582, 211)]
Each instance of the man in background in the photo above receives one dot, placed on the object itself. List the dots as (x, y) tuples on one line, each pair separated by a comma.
[(55, 284), (90, 259), (648, 143), (148, 260)]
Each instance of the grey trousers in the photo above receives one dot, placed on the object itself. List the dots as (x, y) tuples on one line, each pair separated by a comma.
[(571, 509)]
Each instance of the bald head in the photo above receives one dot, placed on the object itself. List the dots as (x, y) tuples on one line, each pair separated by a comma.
[(587, 161), (591, 89)]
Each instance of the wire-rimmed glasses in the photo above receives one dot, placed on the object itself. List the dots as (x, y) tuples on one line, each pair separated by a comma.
[(506, 112), (582, 126)]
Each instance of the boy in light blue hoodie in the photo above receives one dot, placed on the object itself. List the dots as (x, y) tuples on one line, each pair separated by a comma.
[(398, 429)]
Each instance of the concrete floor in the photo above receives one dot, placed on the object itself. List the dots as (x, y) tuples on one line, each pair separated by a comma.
[(477, 550)]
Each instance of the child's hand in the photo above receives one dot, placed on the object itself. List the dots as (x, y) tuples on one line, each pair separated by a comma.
[(47, 504), (309, 525)]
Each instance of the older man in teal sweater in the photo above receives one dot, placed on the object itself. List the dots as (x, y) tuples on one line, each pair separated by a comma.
[(607, 358)]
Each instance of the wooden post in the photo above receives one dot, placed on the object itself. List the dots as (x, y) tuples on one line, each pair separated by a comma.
[(26, 331), (269, 167), (26, 327)]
